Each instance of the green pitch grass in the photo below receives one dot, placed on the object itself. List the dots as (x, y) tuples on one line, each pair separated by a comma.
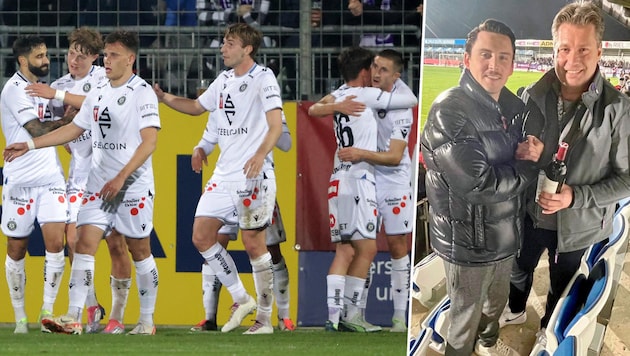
[(436, 79), (178, 340)]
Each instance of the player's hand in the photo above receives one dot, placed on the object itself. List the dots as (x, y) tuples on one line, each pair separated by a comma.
[(551, 203), (350, 107), (253, 166), (243, 9), (355, 7), (70, 111), (350, 154), (40, 89), (158, 92), (14, 151), (111, 189), (198, 160), (531, 149), (67, 147)]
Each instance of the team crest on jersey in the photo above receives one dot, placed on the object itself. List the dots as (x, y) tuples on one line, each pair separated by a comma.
[(242, 87), (87, 87), (11, 225), (121, 100), (370, 226), (381, 113)]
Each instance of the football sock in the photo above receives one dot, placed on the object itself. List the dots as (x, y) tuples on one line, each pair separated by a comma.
[(262, 270), (224, 268), (54, 264), (81, 276), (211, 287), (352, 296), (120, 292), (281, 288), (334, 296), (147, 279), (400, 286), (16, 281), (364, 296)]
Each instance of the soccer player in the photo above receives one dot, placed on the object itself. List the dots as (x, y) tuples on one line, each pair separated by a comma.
[(275, 235), (122, 114), (34, 186), (392, 166), (71, 89), (351, 194), (245, 102)]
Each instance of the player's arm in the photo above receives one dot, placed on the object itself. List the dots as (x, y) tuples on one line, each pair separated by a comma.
[(45, 91), (392, 157), (254, 165), (142, 153), (378, 99), (59, 136), (38, 128), (181, 104), (284, 142), (205, 146), (327, 106)]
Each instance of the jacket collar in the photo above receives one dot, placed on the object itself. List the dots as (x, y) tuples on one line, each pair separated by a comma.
[(550, 81), (508, 104)]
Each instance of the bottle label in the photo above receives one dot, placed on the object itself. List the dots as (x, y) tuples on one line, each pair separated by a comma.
[(539, 184), (549, 186)]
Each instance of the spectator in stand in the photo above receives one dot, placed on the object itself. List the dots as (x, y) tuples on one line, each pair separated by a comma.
[(379, 13), (42, 13), (180, 13), (124, 13)]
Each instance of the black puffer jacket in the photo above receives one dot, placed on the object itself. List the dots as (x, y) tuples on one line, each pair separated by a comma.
[(473, 182)]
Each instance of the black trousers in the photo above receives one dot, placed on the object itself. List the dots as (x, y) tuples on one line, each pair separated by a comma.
[(562, 267)]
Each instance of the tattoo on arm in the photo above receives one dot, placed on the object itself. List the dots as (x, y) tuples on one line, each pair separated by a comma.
[(37, 128)]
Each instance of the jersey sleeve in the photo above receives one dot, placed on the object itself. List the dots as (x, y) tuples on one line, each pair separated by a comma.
[(20, 105), (284, 142), (402, 121), (378, 99), (147, 106), (269, 91)]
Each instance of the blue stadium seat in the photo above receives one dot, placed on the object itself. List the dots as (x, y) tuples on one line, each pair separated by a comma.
[(428, 276), (606, 248)]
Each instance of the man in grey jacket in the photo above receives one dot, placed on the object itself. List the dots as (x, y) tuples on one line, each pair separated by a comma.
[(572, 103)]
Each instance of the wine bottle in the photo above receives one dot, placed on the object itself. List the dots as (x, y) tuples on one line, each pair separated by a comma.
[(556, 171)]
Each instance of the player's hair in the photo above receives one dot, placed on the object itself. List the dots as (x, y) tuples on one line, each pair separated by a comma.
[(352, 60), (129, 39), (580, 13), (248, 35), (494, 26), (86, 40), (23, 46), (393, 56)]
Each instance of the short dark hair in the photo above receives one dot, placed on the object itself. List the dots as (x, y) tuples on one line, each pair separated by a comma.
[(352, 60), (494, 26), (23, 46), (128, 39), (393, 56)]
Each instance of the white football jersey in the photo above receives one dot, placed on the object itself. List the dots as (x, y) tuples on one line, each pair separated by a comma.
[(35, 167), (239, 106), (116, 116), (396, 125), (361, 131), (81, 147)]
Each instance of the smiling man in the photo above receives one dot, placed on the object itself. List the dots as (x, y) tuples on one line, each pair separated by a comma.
[(474, 184), (575, 104)]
